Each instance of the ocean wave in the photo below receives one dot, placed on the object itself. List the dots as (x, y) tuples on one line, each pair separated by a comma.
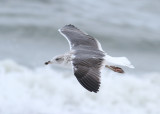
[(44, 90), (125, 22)]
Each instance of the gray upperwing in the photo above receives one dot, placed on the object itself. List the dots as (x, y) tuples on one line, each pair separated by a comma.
[(77, 38)]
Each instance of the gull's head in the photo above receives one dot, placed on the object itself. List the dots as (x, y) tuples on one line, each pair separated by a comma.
[(56, 60)]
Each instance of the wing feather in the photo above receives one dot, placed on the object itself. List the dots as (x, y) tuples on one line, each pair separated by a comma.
[(88, 72), (77, 38), (87, 79)]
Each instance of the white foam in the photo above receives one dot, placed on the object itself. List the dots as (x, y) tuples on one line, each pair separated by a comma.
[(47, 91)]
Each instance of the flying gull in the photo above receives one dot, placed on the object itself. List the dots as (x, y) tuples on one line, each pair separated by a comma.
[(87, 58)]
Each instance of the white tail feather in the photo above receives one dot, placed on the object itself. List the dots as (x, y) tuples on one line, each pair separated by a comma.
[(120, 61)]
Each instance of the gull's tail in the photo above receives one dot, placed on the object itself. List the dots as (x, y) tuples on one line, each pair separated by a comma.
[(117, 61)]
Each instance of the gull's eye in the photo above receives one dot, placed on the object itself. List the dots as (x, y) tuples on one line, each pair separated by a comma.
[(57, 59)]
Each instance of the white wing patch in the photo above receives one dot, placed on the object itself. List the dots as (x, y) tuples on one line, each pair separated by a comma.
[(66, 38), (99, 45)]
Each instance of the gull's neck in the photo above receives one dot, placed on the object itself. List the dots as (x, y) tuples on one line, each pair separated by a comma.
[(67, 58)]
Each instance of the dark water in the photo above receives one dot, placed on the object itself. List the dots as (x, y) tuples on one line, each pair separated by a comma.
[(28, 29)]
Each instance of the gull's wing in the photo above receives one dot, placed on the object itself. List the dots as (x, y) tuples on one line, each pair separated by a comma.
[(79, 39), (87, 72)]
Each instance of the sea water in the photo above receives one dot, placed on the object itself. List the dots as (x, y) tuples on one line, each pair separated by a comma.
[(29, 37)]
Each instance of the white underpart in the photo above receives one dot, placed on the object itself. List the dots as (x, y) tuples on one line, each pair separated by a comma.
[(117, 61), (66, 38)]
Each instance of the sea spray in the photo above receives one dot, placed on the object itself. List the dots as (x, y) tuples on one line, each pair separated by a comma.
[(46, 90)]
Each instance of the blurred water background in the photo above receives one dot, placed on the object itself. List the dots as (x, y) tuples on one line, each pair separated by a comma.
[(29, 37)]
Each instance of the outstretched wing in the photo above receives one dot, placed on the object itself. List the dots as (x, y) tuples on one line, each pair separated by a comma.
[(87, 72), (77, 38)]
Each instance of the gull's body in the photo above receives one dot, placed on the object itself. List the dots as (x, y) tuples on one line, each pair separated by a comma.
[(87, 57)]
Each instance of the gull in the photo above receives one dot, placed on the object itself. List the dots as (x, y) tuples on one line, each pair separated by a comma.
[(87, 58)]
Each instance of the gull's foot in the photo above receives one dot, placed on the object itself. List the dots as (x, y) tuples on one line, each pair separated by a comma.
[(48, 62), (115, 69)]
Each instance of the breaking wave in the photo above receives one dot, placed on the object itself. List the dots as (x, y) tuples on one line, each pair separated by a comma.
[(44, 90)]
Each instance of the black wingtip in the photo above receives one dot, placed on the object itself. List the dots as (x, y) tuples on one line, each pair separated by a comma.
[(90, 85), (70, 26), (96, 91)]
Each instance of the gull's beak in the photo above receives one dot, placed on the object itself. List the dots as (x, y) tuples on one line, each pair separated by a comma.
[(48, 62)]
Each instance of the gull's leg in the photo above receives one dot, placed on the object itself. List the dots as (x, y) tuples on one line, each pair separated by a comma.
[(115, 69)]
